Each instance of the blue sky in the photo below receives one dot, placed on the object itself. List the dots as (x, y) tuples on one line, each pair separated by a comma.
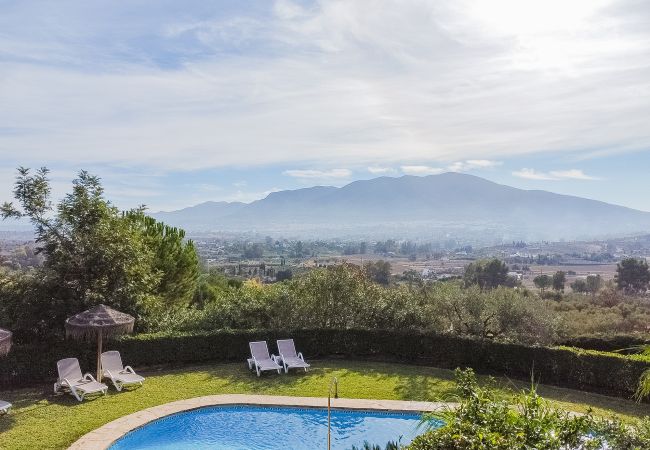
[(175, 103)]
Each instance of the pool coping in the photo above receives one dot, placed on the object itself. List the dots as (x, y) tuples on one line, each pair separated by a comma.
[(104, 436)]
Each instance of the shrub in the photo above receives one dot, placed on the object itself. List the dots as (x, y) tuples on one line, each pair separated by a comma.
[(526, 421), (592, 371), (623, 343)]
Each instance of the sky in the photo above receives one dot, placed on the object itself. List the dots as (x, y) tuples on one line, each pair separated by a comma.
[(175, 103)]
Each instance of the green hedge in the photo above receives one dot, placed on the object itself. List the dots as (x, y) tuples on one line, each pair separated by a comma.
[(625, 343), (593, 371)]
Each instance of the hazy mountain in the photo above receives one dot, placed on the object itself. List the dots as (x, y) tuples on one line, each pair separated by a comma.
[(200, 217), (436, 206)]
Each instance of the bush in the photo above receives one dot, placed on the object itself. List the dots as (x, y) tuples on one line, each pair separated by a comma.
[(624, 343), (604, 373), (343, 297), (526, 421)]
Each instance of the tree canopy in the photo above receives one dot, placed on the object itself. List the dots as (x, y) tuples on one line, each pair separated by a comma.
[(559, 280), (93, 253), (487, 273), (543, 282), (632, 275)]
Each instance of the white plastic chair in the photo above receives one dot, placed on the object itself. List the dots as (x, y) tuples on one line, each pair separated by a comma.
[(114, 370), (288, 356), (260, 359), (4, 407), (70, 378)]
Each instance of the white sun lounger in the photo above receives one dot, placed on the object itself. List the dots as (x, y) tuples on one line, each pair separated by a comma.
[(114, 370), (4, 407), (70, 378), (260, 360), (288, 356)]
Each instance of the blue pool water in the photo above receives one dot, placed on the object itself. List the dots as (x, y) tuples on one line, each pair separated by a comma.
[(270, 428)]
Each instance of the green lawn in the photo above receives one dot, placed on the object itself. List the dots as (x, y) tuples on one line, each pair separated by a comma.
[(42, 420)]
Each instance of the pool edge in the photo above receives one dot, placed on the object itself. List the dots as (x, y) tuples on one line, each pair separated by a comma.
[(103, 437)]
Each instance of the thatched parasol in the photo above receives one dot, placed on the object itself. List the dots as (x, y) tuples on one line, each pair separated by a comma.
[(5, 342), (99, 322)]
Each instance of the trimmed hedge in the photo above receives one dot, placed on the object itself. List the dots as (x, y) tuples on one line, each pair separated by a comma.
[(592, 371), (623, 343)]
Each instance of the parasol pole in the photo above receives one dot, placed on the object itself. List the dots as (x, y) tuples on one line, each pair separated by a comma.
[(93, 322), (99, 355)]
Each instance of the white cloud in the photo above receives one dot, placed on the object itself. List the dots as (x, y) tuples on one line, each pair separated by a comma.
[(247, 197), (458, 166), (573, 174), (377, 170), (532, 174), (553, 175), (482, 163), (318, 174), (421, 170), (471, 164), (310, 85)]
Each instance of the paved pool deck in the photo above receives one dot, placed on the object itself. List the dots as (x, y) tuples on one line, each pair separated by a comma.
[(102, 437)]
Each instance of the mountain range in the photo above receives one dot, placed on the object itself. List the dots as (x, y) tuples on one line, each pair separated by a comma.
[(449, 205)]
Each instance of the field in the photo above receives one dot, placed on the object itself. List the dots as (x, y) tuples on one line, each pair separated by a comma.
[(606, 271), (456, 267)]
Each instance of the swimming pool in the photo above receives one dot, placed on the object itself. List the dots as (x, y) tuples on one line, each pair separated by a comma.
[(240, 427)]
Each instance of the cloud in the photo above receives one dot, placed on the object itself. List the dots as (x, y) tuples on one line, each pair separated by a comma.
[(421, 170), (247, 197), (458, 166), (318, 174), (377, 170), (553, 175), (471, 164), (190, 87), (532, 174), (573, 174)]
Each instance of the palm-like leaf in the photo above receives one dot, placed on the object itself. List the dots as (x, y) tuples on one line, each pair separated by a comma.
[(643, 390)]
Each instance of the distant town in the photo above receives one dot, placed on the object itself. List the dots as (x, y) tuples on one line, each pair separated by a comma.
[(271, 260)]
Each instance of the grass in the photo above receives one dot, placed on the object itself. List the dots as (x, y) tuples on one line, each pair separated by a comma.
[(42, 420)]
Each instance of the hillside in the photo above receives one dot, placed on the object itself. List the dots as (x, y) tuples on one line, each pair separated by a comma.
[(436, 206)]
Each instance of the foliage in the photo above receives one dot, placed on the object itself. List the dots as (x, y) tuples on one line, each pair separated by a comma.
[(644, 386), (527, 421), (543, 282), (499, 313), (633, 275), (378, 271), (486, 273), (608, 313), (22, 257), (93, 254), (620, 343), (605, 373), (343, 296), (41, 420), (594, 284), (282, 275), (579, 286), (559, 280), (591, 285), (174, 258), (643, 390)]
